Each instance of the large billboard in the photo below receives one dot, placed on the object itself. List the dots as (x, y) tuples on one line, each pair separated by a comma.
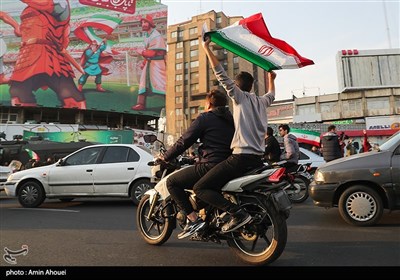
[(65, 54), (368, 69)]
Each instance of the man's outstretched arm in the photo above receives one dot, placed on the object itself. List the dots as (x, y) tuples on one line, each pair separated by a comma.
[(211, 57)]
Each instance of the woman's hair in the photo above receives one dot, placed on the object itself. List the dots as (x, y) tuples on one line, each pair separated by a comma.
[(216, 98)]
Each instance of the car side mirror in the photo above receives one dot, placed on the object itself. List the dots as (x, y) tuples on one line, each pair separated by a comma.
[(61, 162)]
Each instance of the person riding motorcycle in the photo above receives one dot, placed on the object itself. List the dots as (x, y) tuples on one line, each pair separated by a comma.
[(250, 117), (272, 148), (215, 130)]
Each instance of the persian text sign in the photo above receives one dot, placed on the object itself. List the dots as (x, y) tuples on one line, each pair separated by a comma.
[(125, 6)]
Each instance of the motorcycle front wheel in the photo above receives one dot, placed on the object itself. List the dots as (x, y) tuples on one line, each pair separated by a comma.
[(262, 242), (157, 229)]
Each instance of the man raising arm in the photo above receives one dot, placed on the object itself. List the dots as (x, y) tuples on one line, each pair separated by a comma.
[(250, 119)]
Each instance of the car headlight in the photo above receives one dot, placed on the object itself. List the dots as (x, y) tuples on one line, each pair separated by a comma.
[(319, 176)]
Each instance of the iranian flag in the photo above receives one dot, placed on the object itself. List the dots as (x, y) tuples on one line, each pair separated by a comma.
[(86, 29), (306, 136), (250, 39)]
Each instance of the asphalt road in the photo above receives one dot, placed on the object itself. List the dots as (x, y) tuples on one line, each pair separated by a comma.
[(103, 232)]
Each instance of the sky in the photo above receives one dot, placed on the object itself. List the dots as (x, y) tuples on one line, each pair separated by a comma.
[(318, 30)]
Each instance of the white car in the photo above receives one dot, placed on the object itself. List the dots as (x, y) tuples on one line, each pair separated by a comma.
[(307, 156), (107, 170), (5, 171)]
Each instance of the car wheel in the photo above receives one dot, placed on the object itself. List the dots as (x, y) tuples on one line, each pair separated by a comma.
[(31, 194), (360, 206), (138, 189)]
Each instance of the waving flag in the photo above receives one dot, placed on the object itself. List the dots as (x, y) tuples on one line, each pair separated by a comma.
[(86, 30), (306, 136), (250, 39)]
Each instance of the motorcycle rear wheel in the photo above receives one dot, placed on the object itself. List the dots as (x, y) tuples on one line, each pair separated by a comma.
[(295, 195), (156, 230), (261, 244)]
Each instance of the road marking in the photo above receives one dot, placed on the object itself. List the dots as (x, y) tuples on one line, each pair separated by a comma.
[(44, 209)]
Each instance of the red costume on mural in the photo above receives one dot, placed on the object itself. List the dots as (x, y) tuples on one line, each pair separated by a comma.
[(43, 60)]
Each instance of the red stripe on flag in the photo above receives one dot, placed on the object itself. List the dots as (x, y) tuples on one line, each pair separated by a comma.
[(256, 25)]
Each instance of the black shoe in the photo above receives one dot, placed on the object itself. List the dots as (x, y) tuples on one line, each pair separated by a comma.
[(238, 219), (191, 228)]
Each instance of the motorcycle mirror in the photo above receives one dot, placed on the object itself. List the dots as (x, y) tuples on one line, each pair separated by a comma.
[(150, 138), (151, 163)]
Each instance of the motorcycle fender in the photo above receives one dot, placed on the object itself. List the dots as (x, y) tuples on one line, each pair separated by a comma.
[(151, 193)]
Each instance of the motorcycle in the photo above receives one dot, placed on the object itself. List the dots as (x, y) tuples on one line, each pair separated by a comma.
[(259, 242), (297, 181)]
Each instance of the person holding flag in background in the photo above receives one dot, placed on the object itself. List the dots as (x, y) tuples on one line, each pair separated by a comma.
[(90, 62)]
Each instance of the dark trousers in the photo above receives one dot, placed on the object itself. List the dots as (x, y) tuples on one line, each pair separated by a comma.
[(208, 188), (185, 179)]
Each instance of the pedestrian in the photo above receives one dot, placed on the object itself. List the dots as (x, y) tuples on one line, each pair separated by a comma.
[(272, 148), (331, 147)]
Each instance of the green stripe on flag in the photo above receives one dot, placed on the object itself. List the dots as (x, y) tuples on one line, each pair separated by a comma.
[(106, 17), (242, 51)]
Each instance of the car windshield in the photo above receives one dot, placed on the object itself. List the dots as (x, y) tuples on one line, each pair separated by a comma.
[(395, 138)]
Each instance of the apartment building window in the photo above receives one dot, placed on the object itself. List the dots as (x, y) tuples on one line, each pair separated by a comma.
[(235, 59), (328, 107), (397, 104), (178, 88), (306, 109), (219, 20), (179, 125), (194, 75), (174, 34), (180, 34), (352, 105), (179, 45), (179, 55), (378, 103), (186, 65), (194, 64), (194, 53), (178, 66), (193, 110), (194, 42), (178, 100), (193, 31), (178, 112), (178, 77), (8, 118), (194, 87)]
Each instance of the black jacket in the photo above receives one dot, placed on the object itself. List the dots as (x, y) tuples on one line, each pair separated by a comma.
[(331, 146), (272, 149), (215, 130)]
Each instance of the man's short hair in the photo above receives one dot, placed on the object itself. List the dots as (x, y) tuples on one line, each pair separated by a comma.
[(331, 127), (284, 127), (244, 81), (217, 98), (270, 131)]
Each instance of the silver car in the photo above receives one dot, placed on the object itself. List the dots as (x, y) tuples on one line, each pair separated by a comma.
[(108, 170)]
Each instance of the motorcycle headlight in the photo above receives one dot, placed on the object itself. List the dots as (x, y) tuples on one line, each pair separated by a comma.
[(319, 176), (10, 177)]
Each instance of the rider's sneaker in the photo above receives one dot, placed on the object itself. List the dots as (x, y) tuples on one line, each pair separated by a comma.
[(238, 219), (191, 228)]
